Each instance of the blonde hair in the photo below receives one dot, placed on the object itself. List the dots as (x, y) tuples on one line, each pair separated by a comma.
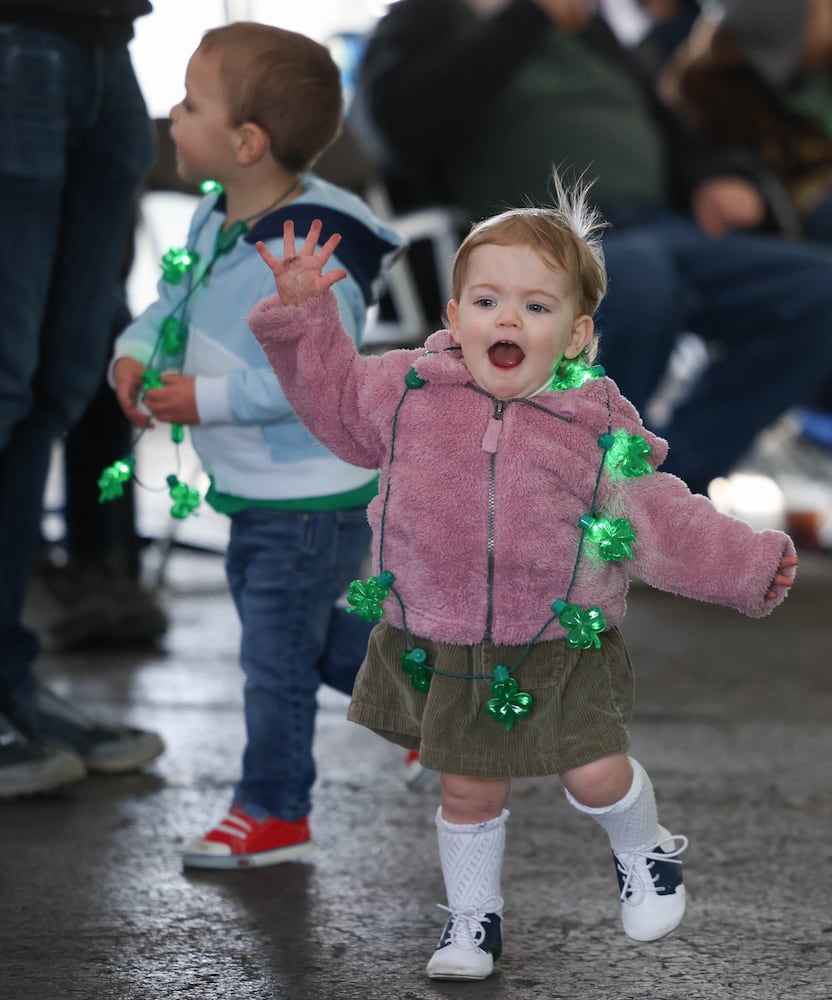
[(282, 81), (566, 234)]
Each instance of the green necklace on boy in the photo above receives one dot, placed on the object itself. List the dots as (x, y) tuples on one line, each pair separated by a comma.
[(179, 264)]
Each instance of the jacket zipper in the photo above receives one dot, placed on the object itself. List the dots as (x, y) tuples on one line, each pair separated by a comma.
[(495, 425)]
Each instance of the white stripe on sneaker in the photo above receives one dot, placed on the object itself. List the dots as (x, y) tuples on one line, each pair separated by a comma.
[(235, 825)]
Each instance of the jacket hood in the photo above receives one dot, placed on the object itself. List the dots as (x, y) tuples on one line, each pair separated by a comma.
[(368, 248)]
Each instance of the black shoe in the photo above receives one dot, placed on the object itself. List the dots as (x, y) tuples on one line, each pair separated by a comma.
[(88, 607), (470, 945), (26, 767), (103, 749)]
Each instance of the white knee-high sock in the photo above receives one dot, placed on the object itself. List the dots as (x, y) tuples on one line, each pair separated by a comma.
[(631, 823), (471, 855)]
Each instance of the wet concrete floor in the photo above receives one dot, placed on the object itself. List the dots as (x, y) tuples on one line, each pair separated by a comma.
[(733, 722)]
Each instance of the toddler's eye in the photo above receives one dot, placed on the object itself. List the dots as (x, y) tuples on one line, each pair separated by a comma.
[(484, 302), (536, 307)]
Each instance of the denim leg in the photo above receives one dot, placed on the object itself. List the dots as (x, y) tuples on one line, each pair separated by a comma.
[(75, 142), (285, 571), (641, 315), (765, 304)]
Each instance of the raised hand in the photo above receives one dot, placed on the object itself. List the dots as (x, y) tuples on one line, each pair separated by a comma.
[(299, 274)]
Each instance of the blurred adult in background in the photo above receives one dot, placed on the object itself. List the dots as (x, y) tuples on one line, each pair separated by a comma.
[(670, 23), (75, 143), (757, 74), (759, 77), (470, 102)]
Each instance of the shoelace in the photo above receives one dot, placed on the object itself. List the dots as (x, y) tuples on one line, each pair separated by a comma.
[(637, 883), (235, 825), (466, 928)]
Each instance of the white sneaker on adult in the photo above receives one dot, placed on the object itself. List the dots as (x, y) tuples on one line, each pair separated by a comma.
[(652, 893)]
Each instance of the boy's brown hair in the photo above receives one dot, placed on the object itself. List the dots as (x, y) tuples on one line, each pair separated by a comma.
[(566, 236), (282, 81)]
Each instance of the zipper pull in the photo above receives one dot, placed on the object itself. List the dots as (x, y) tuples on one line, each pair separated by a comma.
[(492, 431)]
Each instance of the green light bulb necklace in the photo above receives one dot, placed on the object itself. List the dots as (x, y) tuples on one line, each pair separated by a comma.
[(178, 263), (624, 456)]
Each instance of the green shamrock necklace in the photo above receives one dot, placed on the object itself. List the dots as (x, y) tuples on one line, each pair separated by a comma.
[(623, 456), (179, 264)]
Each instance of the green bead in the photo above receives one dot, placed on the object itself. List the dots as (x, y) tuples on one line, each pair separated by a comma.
[(572, 373), (413, 380), (151, 379), (366, 597), (173, 333), (613, 538), (627, 456), (582, 624), (185, 498), (508, 704), (112, 479), (176, 263), (177, 433), (416, 668)]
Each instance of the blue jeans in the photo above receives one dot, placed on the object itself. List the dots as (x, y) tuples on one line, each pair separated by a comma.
[(764, 303), (75, 143), (286, 570)]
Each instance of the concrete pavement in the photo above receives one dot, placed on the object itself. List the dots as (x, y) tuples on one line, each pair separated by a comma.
[(733, 722)]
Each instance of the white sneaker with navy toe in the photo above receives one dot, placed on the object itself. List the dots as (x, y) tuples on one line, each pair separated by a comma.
[(652, 892)]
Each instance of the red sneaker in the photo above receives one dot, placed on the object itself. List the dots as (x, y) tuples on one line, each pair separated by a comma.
[(414, 771), (239, 841)]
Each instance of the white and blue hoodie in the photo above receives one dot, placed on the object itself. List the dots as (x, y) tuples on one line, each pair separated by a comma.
[(249, 440)]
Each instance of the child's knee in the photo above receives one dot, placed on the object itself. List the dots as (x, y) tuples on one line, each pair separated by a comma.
[(601, 783), (472, 800)]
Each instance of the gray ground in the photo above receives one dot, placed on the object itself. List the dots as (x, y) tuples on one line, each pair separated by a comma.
[(733, 724)]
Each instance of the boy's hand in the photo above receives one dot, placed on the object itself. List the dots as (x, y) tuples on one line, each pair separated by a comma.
[(175, 403), (127, 375), (298, 276), (783, 578)]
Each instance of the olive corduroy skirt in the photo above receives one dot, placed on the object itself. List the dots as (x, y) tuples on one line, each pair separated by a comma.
[(582, 702)]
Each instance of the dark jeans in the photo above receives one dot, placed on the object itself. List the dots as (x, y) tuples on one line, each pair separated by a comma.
[(286, 570), (75, 142), (764, 303)]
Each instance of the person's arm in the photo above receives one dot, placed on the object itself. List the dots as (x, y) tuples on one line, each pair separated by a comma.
[(684, 545), (723, 188), (335, 392), (251, 393)]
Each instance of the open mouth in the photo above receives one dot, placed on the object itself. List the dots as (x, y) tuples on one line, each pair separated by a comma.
[(505, 354)]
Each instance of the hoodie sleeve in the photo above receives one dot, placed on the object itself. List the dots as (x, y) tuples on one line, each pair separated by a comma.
[(337, 393)]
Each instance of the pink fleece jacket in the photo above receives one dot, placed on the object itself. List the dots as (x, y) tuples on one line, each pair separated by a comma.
[(478, 509)]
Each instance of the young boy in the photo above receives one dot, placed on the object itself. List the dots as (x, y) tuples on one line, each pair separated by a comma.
[(517, 488), (260, 105)]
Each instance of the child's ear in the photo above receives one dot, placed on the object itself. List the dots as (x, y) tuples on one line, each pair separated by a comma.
[(582, 331), (452, 312), (251, 142)]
